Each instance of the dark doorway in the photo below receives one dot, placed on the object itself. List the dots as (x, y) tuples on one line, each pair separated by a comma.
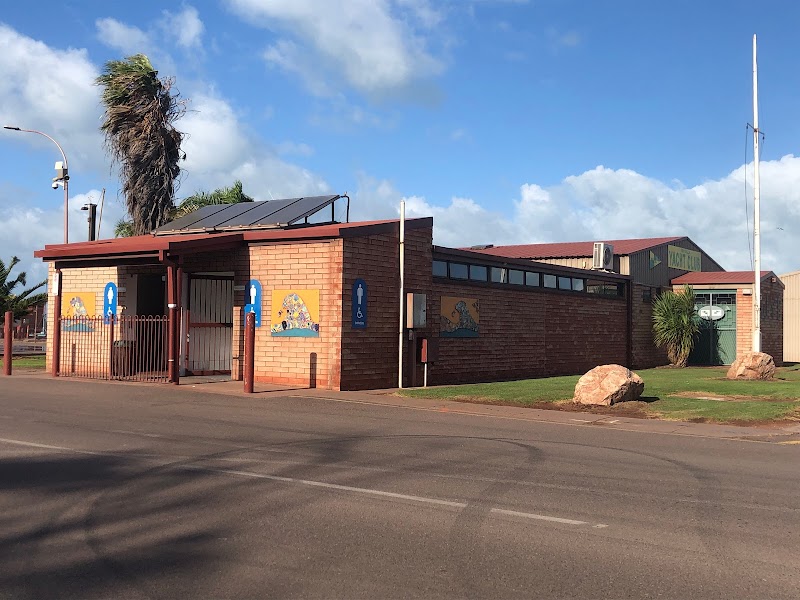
[(148, 349), (151, 296)]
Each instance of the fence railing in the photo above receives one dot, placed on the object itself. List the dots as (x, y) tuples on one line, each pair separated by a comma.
[(127, 347)]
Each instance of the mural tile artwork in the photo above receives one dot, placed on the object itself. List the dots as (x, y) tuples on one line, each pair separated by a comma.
[(77, 310), (295, 313), (460, 317)]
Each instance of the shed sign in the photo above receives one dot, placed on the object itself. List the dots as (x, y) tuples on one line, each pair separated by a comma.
[(711, 313), (683, 259)]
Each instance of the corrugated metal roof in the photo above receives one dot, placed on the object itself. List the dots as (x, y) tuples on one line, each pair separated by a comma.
[(572, 249), (719, 277), (268, 214)]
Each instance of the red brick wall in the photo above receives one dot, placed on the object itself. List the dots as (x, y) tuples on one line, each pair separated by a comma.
[(307, 361), (771, 321), (370, 356), (645, 353), (529, 333)]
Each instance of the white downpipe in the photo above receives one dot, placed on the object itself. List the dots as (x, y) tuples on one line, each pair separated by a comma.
[(756, 213), (402, 292)]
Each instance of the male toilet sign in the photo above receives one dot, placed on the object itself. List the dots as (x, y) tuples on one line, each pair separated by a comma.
[(253, 294), (359, 304), (110, 302)]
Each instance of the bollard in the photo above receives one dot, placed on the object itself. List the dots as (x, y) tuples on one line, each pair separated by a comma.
[(8, 342), (249, 352)]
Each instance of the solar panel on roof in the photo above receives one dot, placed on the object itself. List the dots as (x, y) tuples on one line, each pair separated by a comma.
[(255, 215), (187, 221), (261, 214), (304, 207)]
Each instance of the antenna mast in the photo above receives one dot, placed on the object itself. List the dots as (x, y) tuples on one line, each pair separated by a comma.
[(756, 213)]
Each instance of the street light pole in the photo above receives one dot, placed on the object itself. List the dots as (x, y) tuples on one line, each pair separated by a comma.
[(64, 179)]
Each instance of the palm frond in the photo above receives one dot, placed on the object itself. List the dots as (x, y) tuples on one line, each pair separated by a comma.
[(140, 110), (18, 303), (675, 325)]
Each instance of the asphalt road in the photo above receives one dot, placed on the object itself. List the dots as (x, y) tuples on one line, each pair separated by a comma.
[(126, 491)]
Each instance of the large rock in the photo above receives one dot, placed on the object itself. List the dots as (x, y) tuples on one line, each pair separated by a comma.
[(752, 365), (608, 384)]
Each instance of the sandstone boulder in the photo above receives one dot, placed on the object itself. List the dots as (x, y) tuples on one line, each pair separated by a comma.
[(608, 384), (752, 365)]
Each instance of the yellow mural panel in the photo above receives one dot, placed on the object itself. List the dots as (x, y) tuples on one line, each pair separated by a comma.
[(460, 317), (78, 304), (295, 313)]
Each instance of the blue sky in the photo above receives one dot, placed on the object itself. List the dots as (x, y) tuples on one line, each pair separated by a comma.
[(509, 121)]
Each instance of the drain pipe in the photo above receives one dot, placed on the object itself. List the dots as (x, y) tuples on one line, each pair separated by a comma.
[(402, 291)]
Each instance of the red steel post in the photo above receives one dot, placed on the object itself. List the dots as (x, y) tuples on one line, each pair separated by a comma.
[(8, 341), (249, 352), (56, 366)]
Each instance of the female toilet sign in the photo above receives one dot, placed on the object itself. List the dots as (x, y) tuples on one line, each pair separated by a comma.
[(110, 302), (253, 295), (359, 304)]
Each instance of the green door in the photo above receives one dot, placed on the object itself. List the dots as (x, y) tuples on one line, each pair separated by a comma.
[(716, 344)]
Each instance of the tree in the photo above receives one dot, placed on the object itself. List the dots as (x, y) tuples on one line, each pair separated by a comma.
[(675, 326), (140, 110), (227, 195), (20, 303)]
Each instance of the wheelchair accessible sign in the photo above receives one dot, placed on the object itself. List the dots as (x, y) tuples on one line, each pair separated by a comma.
[(359, 304)]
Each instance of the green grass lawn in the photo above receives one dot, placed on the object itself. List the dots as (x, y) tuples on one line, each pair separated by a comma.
[(694, 393), (25, 362)]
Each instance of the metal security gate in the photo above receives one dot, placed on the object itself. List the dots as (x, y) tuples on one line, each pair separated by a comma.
[(129, 347), (209, 325), (716, 344)]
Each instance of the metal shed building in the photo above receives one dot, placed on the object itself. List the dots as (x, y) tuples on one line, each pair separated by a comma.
[(791, 317)]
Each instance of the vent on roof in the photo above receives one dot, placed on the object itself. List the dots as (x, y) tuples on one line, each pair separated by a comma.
[(481, 247), (603, 256)]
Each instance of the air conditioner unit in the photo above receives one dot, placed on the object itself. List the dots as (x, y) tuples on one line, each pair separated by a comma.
[(603, 256)]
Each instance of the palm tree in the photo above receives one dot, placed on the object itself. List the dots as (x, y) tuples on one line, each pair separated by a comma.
[(138, 125), (675, 326), (21, 303), (227, 195)]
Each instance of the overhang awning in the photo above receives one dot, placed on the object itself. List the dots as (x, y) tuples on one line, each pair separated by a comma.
[(142, 249)]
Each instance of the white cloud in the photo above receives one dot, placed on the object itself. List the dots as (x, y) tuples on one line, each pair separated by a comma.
[(563, 39), (367, 42), (185, 26), (52, 91), (605, 204), (220, 150), (28, 228), (125, 38)]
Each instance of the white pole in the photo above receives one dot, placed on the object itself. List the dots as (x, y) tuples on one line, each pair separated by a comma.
[(402, 292), (756, 212), (100, 220)]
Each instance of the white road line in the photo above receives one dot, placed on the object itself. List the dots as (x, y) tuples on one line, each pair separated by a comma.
[(581, 420), (44, 446), (357, 490), (140, 433), (333, 486)]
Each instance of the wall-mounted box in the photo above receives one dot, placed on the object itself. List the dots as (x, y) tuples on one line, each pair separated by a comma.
[(416, 310)]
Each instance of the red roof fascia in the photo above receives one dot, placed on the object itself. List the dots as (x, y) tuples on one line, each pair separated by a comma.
[(573, 249), (204, 242), (719, 277)]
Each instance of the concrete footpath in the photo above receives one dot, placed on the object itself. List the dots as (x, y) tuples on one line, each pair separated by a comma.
[(787, 434)]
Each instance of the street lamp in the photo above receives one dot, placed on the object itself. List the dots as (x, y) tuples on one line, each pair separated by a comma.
[(62, 172)]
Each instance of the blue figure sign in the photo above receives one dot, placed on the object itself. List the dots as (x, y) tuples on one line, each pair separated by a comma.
[(110, 302), (360, 304), (253, 293)]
